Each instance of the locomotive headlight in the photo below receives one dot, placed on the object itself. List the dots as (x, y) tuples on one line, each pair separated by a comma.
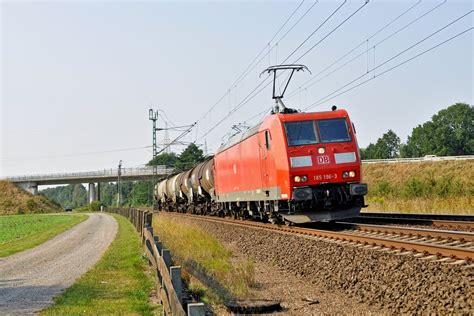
[(352, 174), (345, 174), (301, 178), (321, 150)]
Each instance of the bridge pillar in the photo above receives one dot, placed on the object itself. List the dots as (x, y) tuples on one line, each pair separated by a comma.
[(92, 196), (98, 191), (31, 187)]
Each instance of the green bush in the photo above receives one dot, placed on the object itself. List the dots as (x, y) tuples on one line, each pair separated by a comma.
[(31, 205), (94, 206), (414, 187), (383, 188)]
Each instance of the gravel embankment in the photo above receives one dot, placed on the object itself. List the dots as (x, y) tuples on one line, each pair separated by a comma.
[(392, 283), (30, 279)]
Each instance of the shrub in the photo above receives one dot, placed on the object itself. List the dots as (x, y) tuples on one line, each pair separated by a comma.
[(383, 188), (414, 187), (94, 206), (31, 205)]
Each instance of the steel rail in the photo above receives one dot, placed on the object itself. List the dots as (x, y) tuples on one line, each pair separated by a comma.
[(409, 231), (437, 220), (405, 245)]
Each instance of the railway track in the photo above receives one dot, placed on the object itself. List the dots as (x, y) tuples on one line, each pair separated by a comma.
[(464, 222), (450, 246)]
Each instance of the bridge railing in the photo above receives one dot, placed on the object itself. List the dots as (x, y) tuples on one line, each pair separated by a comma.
[(91, 174)]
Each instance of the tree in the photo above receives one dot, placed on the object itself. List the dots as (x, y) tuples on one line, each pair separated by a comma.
[(190, 157), (142, 193), (79, 196), (450, 132), (167, 159), (386, 147)]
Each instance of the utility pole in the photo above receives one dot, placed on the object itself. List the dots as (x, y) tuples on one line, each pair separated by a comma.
[(119, 184), (153, 116)]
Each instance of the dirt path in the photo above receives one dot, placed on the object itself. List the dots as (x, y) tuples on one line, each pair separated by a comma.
[(30, 279)]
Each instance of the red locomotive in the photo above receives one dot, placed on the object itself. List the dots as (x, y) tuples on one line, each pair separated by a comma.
[(292, 167)]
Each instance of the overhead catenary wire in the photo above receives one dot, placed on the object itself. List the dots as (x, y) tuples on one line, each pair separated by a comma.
[(280, 39), (177, 138), (252, 95), (306, 83), (331, 96), (333, 30), (239, 78), (314, 32), (326, 36)]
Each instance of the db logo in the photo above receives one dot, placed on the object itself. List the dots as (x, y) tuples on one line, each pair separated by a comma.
[(323, 160)]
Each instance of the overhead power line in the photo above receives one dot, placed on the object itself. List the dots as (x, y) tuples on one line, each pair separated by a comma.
[(253, 94), (239, 78), (331, 96), (332, 31), (306, 83), (177, 138)]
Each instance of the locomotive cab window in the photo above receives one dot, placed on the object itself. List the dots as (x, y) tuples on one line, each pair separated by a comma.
[(333, 131), (301, 133), (267, 140)]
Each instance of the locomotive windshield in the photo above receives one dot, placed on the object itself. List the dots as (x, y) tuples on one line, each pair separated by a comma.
[(314, 132), (333, 131), (301, 133)]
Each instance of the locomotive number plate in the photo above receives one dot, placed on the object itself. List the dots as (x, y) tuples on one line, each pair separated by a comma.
[(323, 160), (321, 177)]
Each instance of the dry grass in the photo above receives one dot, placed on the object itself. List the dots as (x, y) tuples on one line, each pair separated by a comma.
[(426, 187), (14, 200), (221, 275), (452, 205)]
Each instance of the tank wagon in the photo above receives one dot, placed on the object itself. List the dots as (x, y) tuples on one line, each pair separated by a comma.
[(293, 167)]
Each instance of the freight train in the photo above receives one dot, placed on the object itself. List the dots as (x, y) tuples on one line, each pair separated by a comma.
[(293, 167)]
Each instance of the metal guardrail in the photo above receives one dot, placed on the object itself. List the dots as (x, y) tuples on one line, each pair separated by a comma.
[(106, 173), (429, 158)]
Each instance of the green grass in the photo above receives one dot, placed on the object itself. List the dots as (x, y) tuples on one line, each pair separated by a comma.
[(20, 232), (116, 285), (219, 275)]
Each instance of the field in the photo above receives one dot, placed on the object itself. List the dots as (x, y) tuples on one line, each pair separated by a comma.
[(20, 232), (424, 187), (14, 200), (116, 285), (220, 276)]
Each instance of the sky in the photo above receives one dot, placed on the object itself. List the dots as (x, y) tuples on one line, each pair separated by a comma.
[(78, 78)]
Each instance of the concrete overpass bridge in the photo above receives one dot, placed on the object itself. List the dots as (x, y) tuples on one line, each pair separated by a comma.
[(31, 182)]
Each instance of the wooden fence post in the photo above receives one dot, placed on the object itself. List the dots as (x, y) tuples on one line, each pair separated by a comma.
[(166, 254), (196, 309), (175, 273)]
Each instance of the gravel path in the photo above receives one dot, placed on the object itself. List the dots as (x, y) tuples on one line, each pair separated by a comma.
[(30, 279)]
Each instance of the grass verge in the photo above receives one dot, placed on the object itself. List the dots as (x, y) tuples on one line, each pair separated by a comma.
[(21, 232), (424, 187), (218, 274), (116, 285)]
